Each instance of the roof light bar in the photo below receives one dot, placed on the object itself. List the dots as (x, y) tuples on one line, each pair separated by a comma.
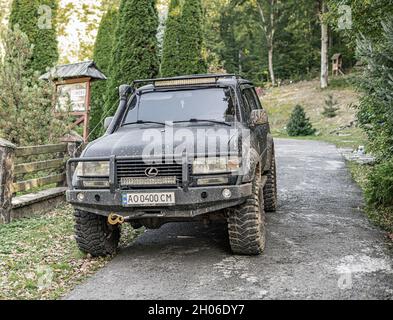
[(184, 82)]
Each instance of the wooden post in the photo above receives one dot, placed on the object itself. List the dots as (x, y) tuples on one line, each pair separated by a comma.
[(75, 149), (7, 157)]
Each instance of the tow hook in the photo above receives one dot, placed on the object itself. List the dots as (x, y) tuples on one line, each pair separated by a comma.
[(115, 219)]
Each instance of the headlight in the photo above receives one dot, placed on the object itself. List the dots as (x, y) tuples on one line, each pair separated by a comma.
[(215, 165), (93, 169)]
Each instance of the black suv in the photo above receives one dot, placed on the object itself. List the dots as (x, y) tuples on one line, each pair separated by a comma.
[(178, 149)]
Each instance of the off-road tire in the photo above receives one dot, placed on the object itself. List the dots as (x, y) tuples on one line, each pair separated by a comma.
[(93, 234), (246, 223), (270, 189)]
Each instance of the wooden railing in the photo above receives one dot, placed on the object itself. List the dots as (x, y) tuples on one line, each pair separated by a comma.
[(28, 169), (59, 152)]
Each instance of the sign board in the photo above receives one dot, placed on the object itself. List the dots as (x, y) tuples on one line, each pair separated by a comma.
[(72, 96)]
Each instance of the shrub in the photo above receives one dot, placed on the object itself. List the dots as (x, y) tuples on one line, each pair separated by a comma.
[(379, 188), (375, 112), (299, 124), (330, 109)]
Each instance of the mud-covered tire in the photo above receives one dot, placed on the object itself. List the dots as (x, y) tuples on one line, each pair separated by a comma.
[(93, 234), (246, 223), (270, 189)]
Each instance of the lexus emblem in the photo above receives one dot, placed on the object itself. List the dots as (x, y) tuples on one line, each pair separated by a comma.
[(151, 172)]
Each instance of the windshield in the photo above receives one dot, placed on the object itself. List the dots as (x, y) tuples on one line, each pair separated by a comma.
[(207, 104)]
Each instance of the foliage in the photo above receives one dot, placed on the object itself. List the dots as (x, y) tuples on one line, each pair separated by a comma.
[(365, 18), (379, 188), (26, 109), (192, 60), (375, 112), (330, 109), (375, 115), (40, 29), (135, 52), (102, 56), (184, 47), (299, 124), (171, 48)]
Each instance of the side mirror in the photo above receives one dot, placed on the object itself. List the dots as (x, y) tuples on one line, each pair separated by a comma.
[(108, 122), (259, 117)]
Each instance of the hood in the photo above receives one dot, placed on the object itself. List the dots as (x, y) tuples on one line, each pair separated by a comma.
[(141, 140)]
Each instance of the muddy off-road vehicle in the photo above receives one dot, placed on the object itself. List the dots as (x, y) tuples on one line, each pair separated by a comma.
[(178, 149)]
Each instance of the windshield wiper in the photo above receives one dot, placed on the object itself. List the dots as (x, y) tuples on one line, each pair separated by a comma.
[(203, 120), (143, 122)]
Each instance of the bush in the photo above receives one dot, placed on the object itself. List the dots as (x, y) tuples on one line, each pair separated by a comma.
[(330, 109), (299, 124), (375, 113), (379, 188)]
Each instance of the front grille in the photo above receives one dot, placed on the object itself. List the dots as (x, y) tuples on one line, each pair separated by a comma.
[(136, 168)]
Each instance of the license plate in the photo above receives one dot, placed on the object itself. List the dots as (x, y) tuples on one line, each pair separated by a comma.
[(148, 199)]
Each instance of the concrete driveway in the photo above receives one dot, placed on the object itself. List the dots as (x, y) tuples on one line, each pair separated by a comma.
[(320, 246)]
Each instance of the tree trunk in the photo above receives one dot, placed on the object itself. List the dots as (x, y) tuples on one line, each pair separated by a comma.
[(271, 66), (324, 48)]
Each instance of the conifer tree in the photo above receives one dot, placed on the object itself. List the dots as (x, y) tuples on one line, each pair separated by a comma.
[(102, 56), (37, 19), (135, 51), (183, 41), (191, 60), (170, 51), (299, 124)]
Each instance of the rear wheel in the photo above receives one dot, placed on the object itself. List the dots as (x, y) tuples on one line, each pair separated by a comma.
[(93, 234), (270, 189), (246, 223)]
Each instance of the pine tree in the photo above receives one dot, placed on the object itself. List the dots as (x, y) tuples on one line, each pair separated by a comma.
[(330, 109), (170, 51), (37, 18), (134, 54), (190, 58), (299, 124), (102, 56), (26, 103)]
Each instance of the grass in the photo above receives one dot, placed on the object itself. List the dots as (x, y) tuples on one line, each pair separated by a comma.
[(39, 258), (340, 130)]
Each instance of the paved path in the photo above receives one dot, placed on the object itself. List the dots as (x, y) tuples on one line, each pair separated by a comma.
[(320, 246)]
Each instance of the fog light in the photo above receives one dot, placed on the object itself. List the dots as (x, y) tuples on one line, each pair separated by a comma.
[(95, 184), (80, 197), (212, 181), (226, 193)]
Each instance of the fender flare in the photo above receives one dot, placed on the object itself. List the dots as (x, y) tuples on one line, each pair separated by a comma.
[(254, 160), (270, 148)]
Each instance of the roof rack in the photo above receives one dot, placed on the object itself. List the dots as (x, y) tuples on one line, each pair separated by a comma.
[(185, 80)]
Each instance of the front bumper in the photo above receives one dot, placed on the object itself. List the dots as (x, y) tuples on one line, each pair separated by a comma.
[(189, 203)]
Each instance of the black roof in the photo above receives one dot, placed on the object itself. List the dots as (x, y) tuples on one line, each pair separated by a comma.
[(75, 70)]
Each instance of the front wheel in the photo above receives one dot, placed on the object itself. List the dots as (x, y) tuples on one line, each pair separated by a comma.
[(246, 223), (93, 234)]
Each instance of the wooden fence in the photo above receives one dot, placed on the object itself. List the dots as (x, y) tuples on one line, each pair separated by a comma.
[(44, 167)]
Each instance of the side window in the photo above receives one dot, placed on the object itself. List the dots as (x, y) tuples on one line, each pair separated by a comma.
[(257, 100), (252, 99), (247, 105)]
